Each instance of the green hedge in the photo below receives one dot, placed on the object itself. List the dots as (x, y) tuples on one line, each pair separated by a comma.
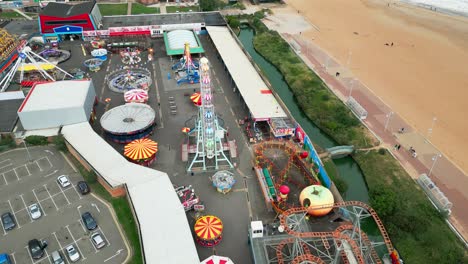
[(416, 228), (36, 140)]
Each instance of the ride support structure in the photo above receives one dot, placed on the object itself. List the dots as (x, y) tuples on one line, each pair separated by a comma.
[(27, 54), (209, 133), (187, 68)]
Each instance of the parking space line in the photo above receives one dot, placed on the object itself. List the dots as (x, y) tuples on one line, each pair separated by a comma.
[(61, 190), (50, 174), (35, 195), (26, 207), (29, 254), (76, 242), (82, 225), (5, 160), (16, 174), (45, 186), (13, 212), (102, 232), (13, 257), (8, 165), (36, 161), (4, 232), (50, 163), (74, 188), (95, 248), (56, 238), (47, 256), (6, 182), (29, 173)]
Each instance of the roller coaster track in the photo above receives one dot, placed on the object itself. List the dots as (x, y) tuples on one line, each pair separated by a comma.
[(337, 232)]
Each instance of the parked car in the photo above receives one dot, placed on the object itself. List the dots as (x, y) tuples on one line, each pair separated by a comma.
[(8, 221), (63, 181), (35, 211), (83, 187), (72, 253), (57, 258), (5, 259), (89, 221), (36, 248), (98, 241)]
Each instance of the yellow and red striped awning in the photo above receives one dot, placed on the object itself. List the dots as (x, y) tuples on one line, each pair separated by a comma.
[(196, 98), (141, 149), (208, 227)]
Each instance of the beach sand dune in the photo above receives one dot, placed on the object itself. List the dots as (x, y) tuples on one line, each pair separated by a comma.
[(422, 76)]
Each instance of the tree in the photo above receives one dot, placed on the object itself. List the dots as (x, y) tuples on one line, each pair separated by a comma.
[(234, 23), (208, 5)]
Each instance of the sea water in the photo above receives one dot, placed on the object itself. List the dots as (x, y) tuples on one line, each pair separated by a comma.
[(459, 7)]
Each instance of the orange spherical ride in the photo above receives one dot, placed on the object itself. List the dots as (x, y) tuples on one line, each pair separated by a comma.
[(317, 199)]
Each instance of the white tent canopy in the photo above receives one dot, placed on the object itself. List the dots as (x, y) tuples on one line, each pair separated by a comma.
[(178, 38)]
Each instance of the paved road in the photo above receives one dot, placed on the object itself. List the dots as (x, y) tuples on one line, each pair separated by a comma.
[(23, 183), (385, 124)]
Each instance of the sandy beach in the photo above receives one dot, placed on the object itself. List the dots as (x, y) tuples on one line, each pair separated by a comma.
[(423, 75)]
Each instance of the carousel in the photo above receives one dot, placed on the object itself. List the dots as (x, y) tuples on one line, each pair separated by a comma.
[(99, 54), (93, 64), (141, 151), (55, 56), (130, 57), (128, 122), (223, 181), (208, 230), (136, 96), (124, 80)]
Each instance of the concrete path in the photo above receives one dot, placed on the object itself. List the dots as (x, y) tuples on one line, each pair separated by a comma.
[(162, 9), (385, 123), (129, 8), (22, 13)]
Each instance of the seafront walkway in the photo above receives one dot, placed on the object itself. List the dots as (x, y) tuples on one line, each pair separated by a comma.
[(385, 124)]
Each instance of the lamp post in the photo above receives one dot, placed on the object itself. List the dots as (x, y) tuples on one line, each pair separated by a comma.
[(429, 131), (389, 116), (434, 158)]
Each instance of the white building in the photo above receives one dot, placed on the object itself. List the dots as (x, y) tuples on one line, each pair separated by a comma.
[(55, 104)]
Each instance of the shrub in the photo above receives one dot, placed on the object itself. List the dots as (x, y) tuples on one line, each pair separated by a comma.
[(36, 140), (59, 142)]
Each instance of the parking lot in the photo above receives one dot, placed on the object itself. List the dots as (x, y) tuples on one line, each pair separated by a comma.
[(32, 179)]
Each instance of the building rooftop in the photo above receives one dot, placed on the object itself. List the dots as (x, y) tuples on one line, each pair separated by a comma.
[(9, 105), (56, 95), (67, 10), (256, 94), (209, 18), (165, 232)]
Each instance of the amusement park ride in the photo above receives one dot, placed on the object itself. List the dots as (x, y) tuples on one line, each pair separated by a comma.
[(312, 228), (186, 69), (35, 61), (209, 134)]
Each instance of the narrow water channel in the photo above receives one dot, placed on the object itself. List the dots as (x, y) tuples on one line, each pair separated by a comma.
[(347, 167)]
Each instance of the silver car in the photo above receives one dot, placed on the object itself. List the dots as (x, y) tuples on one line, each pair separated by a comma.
[(35, 211), (98, 241), (63, 181), (73, 254)]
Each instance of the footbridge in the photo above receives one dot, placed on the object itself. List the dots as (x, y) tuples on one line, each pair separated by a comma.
[(340, 151)]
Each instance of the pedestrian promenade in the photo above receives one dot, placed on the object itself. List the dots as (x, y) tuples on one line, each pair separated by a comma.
[(385, 124)]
